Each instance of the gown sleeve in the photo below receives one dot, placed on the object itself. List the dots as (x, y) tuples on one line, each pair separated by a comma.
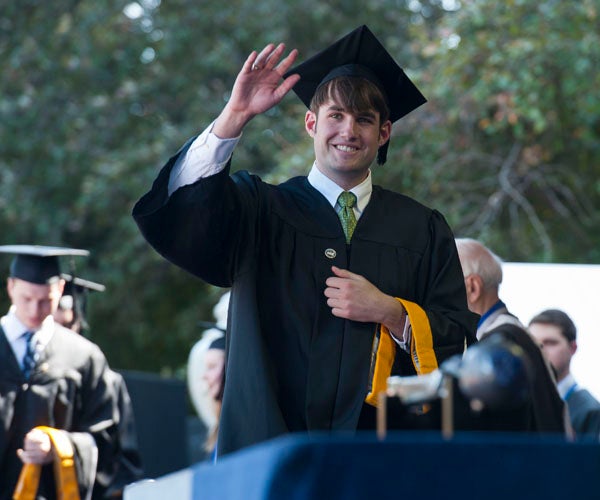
[(106, 452), (220, 208)]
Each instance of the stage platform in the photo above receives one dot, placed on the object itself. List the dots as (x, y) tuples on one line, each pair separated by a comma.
[(415, 465)]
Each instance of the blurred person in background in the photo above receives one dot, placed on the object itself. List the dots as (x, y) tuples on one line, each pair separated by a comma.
[(72, 307), (51, 376), (482, 270), (72, 313), (206, 374), (556, 333)]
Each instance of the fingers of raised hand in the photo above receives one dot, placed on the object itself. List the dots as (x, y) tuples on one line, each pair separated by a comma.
[(269, 57)]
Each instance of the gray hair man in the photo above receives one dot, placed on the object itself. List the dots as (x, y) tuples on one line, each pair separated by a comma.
[(482, 270)]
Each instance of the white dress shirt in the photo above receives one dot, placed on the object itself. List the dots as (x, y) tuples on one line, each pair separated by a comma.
[(15, 330)]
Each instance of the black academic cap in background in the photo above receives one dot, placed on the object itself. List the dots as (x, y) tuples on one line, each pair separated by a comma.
[(209, 325), (75, 285), (360, 53), (36, 263), (74, 298), (78, 289), (218, 343)]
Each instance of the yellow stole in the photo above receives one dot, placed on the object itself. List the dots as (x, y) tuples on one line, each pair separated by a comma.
[(65, 475), (421, 350)]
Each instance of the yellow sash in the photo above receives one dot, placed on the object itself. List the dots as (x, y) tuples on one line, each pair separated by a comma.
[(64, 470), (422, 353)]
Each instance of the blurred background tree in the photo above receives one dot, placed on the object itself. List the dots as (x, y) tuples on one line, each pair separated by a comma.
[(95, 96)]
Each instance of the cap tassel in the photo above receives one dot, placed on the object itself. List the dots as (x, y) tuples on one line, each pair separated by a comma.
[(382, 153)]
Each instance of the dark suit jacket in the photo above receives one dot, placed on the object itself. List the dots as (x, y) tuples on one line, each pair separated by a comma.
[(584, 411)]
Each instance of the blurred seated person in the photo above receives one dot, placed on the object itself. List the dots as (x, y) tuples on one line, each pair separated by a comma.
[(213, 376), (555, 331), (206, 374), (482, 270)]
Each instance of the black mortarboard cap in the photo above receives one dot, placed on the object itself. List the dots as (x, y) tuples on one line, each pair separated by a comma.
[(218, 343), (74, 297), (77, 286), (38, 264), (210, 324), (360, 53)]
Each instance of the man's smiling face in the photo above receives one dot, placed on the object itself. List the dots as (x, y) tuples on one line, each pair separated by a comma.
[(345, 143)]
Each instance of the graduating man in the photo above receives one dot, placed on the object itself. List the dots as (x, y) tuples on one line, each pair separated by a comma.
[(51, 376), (335, 281)]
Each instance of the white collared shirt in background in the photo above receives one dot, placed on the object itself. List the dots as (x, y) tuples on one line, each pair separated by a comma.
[(14, 330)]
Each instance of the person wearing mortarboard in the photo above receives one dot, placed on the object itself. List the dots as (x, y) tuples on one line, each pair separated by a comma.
[(336, 282), (52, 377), (72, 307), (72, 313)]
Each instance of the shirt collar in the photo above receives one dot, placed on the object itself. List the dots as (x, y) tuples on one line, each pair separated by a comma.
[(331, 190), (498, 305), (13, 328), (566, 385)]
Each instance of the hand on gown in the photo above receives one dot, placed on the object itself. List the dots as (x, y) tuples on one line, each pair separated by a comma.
[(37, 448), (352, 296)]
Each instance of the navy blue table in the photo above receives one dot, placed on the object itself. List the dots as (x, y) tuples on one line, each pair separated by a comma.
[(403, 466)]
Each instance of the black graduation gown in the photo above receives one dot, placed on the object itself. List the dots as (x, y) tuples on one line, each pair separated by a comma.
[(291, 364), (544, 410), (127, 466), (534, 408), (71, 389)]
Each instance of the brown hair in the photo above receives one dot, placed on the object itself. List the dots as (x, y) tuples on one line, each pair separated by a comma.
[(356, 94), (558, 318)]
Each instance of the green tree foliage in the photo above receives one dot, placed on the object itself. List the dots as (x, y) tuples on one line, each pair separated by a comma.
[(516, 140), (95, 96)]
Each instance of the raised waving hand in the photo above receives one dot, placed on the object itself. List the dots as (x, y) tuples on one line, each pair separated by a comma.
[(257, 88)]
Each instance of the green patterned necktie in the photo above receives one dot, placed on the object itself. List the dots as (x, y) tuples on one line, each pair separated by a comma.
[(347, 200)]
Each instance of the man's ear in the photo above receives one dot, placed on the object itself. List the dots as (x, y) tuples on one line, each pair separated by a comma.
[(573, 347), (474, 286), (310, 123), (385, 131)]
